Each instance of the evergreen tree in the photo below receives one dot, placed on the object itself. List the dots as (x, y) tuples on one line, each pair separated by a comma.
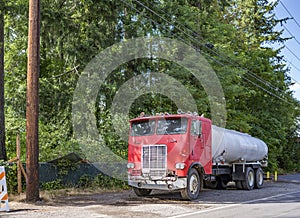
[(234, 36)]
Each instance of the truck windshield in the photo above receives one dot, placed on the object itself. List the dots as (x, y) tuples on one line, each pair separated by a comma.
[(171, 126), (142, 128)]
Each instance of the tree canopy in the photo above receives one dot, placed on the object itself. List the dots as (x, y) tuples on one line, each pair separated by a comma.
[(235, 37)]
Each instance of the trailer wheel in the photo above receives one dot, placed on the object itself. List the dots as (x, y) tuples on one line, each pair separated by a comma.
[(142, 192), (194, 185), (259, 178), (249, 181)]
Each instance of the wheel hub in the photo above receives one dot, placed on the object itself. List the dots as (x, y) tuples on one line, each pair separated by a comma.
[(193, 184), (251, 179)]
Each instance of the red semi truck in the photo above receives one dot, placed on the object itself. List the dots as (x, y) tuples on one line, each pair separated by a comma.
[(185, 151)]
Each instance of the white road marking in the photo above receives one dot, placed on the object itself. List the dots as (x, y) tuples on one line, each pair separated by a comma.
[(231, 205)]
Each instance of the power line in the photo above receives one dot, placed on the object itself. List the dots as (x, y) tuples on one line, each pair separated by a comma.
[(291, 34), (292, 37), (220, 54), (270, 93), (294, 66), (178, 37), (290, 75), (290, 13), (247, 70), (226, 58), (292, 53)]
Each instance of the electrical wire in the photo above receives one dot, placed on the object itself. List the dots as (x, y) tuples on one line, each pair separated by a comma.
[(293, 38), (226, 58), (247, 71), (294, 66), (290, 14), (291, 34), (292, 53)]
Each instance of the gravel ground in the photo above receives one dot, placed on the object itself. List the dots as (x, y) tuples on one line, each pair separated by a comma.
[(126, 204)]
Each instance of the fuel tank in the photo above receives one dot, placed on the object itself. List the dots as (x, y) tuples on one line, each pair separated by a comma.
[(229, 146)]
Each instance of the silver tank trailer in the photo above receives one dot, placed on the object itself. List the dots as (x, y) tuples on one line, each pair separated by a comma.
[(229, 146)]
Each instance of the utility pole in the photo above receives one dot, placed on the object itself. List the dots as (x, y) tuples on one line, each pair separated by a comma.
[(2, 117), (32, 103)]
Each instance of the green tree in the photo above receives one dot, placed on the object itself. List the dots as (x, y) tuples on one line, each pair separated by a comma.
[(269, 103), (234, 36)]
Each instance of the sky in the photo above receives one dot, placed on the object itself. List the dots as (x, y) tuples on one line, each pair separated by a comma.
[(291, 53)]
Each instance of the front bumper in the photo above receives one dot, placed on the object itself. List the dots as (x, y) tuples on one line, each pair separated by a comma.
[(166, 183)]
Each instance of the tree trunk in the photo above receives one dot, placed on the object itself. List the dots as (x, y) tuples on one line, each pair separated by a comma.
[(32, 103), (2, 118)]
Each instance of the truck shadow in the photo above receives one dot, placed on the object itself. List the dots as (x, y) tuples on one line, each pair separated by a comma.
[(206, 197)]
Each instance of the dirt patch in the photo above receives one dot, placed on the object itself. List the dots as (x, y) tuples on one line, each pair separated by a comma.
[(126, 204)]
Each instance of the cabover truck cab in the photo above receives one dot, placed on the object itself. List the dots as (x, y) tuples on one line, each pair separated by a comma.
[(175, 152)]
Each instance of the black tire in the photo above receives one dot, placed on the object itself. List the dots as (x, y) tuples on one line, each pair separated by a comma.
[(194, 185), (249, 182), (142, 192), (259, 178)]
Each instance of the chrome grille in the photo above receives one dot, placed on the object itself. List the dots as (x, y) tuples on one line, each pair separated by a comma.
[(154, 160)]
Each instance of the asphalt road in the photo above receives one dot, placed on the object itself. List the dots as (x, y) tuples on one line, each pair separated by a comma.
[(292, 178), (275, 199), (281, 206)]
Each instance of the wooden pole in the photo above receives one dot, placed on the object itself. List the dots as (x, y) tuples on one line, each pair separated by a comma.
[(19, 173), (32, 103), (2, 120)]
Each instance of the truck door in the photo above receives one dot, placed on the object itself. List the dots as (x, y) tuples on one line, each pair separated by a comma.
[(196, 140)]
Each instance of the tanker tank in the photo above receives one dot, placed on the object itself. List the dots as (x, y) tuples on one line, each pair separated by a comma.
[(229, 146)]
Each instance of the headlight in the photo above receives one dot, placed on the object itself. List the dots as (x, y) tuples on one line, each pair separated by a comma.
[(180, 166), (130, 165)]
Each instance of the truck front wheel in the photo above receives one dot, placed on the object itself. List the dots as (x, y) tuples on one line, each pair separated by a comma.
[(249, 181), (194, 185), (142, 192)]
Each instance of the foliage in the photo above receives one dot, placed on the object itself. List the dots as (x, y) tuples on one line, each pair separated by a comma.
[(3, 155), (106, 182), (53, 185), (234, 36), (11, 177), (101, 181)]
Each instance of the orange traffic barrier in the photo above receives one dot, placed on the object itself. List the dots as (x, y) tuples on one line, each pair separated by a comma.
[(3, 190)]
